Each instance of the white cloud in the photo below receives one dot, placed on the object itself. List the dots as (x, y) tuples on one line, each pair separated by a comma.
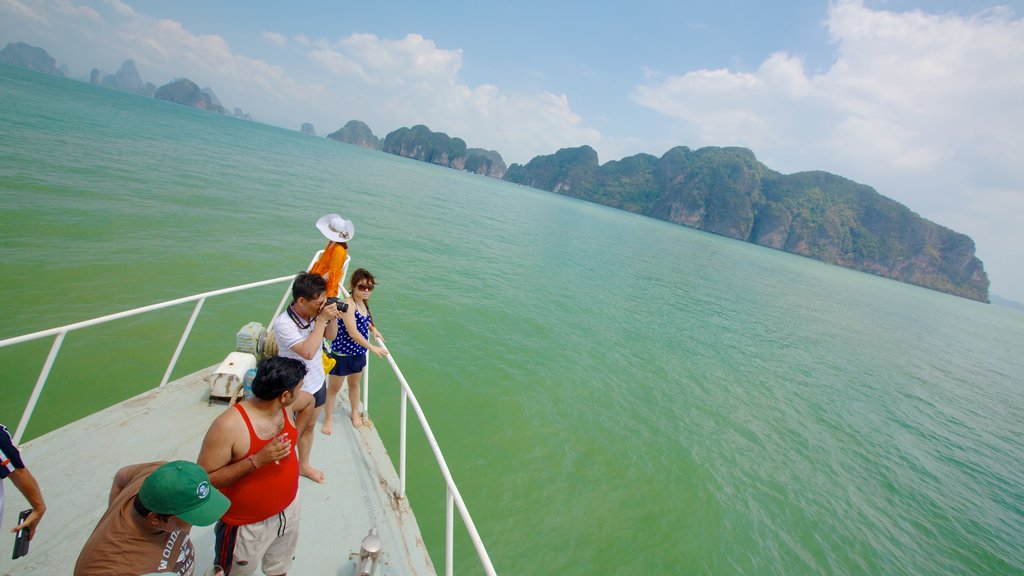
[(104, 34), (18, 9), (385, 82), (407, 81), (121, 8), (276, 39), (70, 8), (924, 107)]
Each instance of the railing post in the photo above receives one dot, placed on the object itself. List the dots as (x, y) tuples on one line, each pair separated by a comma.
[(401, 443), (40, 382), (366, 384), (408, 397), (181, 343), (280, 306), (449, 532)]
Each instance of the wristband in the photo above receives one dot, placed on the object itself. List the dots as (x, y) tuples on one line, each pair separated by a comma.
[(253, 462)]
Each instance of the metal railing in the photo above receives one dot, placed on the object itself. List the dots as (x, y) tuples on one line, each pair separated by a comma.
[(453, 497), (62, 331)]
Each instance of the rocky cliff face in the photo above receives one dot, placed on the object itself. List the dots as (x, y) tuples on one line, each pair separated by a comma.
[(307, 129), (186, 92), (27, 56), (570, 171), (127, 78), (815, 214), (358, 133), (485, 163), (420, 143)]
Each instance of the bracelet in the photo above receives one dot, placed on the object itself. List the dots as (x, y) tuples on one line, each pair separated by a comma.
[(253, 462)]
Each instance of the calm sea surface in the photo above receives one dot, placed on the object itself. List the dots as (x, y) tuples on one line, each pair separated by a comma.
[(614, 394)]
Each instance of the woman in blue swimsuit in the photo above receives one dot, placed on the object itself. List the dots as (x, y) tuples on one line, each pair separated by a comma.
[(350, 346)]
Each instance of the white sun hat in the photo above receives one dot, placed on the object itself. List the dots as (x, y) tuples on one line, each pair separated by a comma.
[(336, 228)]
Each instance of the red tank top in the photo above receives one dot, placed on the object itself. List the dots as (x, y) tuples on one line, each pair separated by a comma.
[(265, 491)]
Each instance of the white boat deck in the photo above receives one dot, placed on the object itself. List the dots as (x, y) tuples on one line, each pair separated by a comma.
[(75, 465)]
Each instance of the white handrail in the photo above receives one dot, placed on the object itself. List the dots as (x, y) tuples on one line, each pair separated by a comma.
[(452, 495), (452, 489), (61, 331)]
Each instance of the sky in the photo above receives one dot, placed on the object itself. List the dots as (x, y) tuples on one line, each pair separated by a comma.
[(920, 99)]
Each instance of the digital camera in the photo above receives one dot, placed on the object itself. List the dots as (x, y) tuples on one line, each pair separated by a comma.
[(342, 306)]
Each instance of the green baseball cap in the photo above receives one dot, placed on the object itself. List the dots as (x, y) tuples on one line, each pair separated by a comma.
[(183, 489)]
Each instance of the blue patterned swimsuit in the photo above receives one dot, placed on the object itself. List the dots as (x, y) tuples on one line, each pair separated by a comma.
[(344, 345)]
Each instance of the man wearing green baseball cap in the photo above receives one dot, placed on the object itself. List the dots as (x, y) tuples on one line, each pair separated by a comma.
[(145, 529)]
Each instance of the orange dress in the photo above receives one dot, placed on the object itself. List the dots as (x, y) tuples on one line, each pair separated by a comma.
[(330, 264)]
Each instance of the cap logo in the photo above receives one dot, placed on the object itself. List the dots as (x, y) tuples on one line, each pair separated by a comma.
[(203, 490)]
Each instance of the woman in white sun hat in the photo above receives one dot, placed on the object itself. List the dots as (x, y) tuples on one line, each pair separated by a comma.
[(331, 264)]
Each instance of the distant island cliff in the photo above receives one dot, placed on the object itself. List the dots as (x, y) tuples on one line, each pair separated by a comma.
[(186, 92), (357, 133), (423, 144), (727, 191), (27, 56), (127, 78)]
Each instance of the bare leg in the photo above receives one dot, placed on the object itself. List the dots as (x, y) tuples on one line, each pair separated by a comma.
[(305, 422), (334, 384), (353, 398)]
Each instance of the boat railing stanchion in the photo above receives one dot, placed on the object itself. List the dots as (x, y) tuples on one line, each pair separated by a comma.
[(449, 532), (181, 342), (402, 427), (366, 386), (409, 398), (369, 553), (38, 389)]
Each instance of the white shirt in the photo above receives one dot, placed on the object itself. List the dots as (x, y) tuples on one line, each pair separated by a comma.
[(288, 334)]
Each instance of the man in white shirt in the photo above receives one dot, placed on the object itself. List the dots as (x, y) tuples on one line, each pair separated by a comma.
[(300, 331)]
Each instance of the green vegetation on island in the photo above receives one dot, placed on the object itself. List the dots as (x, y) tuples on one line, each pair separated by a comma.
[(185, 91), (358, 133), (421, 143)]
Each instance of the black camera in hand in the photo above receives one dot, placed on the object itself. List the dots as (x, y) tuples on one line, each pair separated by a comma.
[(342, 306)]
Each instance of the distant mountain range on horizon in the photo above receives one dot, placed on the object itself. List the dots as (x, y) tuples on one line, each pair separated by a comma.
[(723, 190), (127, 78), (728, 192)]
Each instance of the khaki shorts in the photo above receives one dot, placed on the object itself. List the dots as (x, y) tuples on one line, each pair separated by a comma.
[(271, 541)]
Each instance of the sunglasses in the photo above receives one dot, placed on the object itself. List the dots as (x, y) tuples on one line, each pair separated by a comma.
[(365, 287)]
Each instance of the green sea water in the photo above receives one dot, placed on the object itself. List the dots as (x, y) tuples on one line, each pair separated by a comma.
[(613, 394)]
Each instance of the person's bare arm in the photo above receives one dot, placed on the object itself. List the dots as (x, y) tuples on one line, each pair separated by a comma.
[(331, 331), (324, 327), (349, 318), (26, 483), (216, 452), (219, 449)]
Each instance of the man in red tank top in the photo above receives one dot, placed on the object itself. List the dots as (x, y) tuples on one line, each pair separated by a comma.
[(249, 452)]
